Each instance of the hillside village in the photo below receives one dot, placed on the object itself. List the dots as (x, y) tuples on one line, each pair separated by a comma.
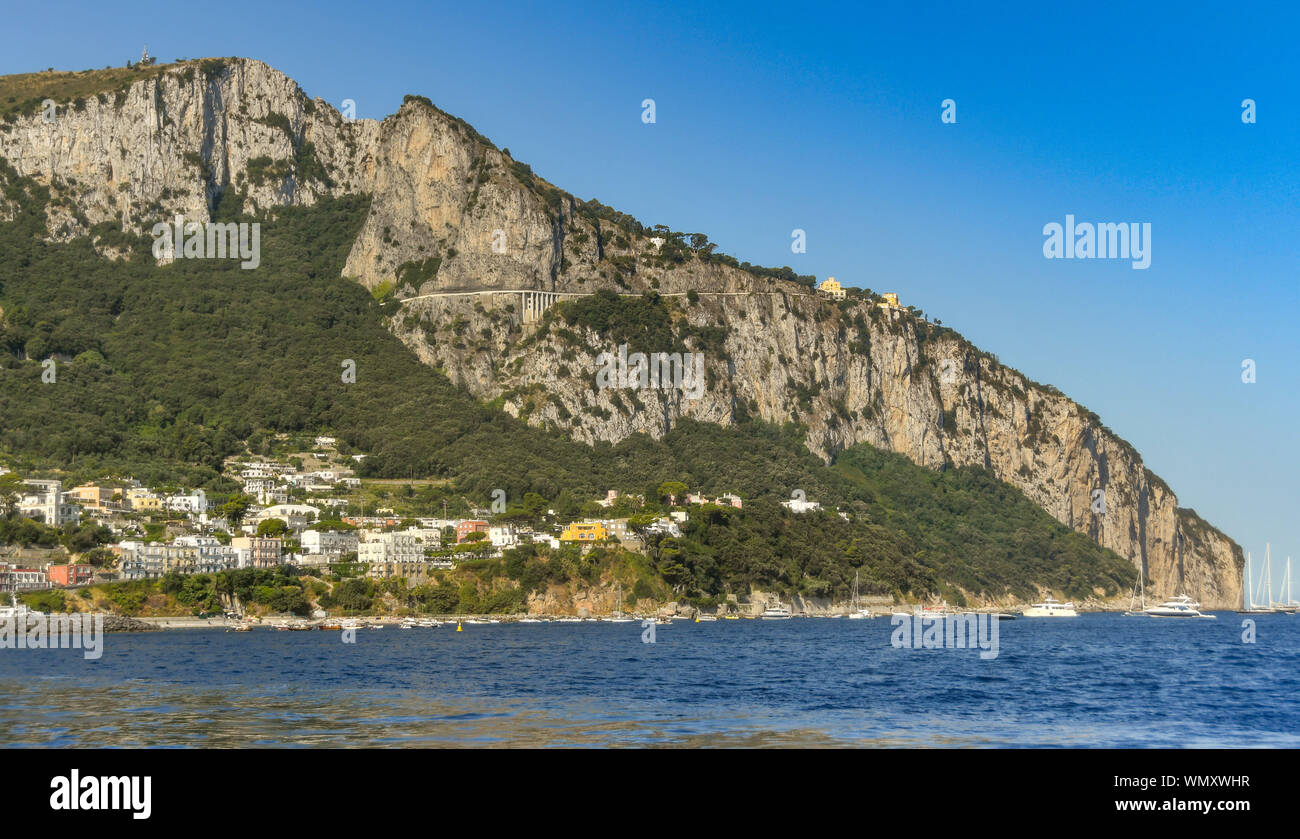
[(311, 512)]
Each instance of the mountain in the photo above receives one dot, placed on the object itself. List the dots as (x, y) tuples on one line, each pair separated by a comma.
[(448, 212)]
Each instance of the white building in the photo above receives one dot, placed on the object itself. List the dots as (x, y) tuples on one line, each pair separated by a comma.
[(194, 502), (329, 542), (46, 501), (389, 547), (284, 512), (664, 527), (503, 537), (186, 555), (800, 505), (13, 578)]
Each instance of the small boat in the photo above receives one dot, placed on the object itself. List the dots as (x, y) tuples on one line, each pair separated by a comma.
[(731, 617), (776, 612), (1181, 606), (529, 620), (1142, 587), (241, 627), (569, 620), (1050, 608), (705, 618)]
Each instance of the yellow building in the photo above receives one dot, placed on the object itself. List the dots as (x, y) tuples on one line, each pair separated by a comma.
[(890, 301), (143, 500), (832, 287), (587, 531)]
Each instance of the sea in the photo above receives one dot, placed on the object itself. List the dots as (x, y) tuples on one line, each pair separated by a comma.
[(1099, 680)]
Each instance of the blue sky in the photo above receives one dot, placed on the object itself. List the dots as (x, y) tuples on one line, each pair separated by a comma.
[(772, 117)]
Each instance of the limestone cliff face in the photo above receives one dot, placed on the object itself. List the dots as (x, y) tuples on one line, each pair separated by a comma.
[(450, 212)]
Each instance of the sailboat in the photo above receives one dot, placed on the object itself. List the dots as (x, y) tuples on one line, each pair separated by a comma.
[(858, 612), (618, 614), (1141, 610), (1247, 596), (1290, 606)]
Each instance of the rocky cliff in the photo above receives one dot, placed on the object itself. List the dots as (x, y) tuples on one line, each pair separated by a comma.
[(451, 212)]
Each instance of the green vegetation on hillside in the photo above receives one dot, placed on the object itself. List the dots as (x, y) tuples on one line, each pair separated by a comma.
[(162, 372)]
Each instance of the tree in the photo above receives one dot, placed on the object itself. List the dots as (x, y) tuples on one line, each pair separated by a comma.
[(272, 527), (10, 489), (234, 509), (671, 490), (639, 523)]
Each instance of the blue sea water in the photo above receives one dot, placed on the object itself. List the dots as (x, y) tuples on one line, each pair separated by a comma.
[(1099, 680)]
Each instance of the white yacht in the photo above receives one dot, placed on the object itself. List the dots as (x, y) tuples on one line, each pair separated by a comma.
[(1181, 606), (776, 613), (1050, 608)]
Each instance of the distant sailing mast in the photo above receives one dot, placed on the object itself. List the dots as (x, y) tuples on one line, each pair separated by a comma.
[(1248, 606)]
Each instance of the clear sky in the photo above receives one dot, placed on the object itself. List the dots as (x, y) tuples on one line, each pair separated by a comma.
[(775, 116)]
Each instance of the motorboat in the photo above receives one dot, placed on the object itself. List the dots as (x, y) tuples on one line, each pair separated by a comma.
[(776, 612), (926, 612), (1181, 606), (1050, 608)]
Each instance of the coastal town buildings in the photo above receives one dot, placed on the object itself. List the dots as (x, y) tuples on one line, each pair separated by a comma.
[(329, 542), (392, 547), (44, 500), (801, 505), (832, 288), (70, 574), (14, 578), (263, 551), (585, 531), (464, 528)]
